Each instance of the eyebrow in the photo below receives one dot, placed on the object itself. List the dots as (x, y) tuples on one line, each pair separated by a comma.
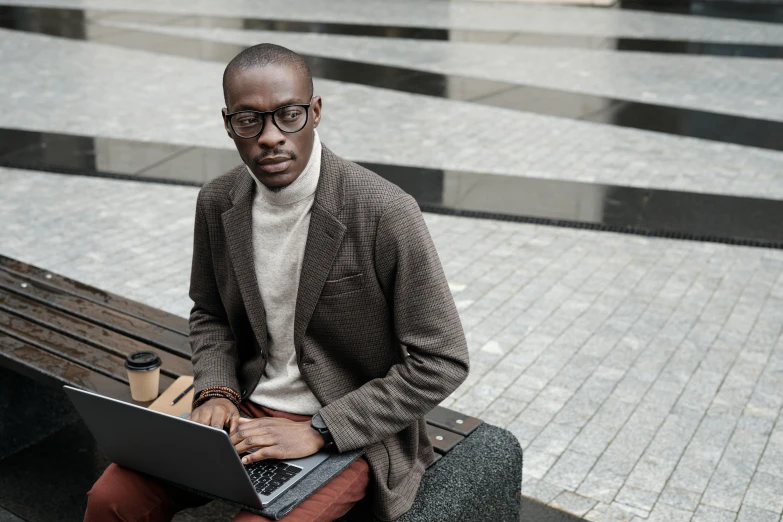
[(291, 101)]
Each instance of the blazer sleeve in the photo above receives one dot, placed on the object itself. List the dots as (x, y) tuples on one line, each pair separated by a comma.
[(215, 355), (426, 322)]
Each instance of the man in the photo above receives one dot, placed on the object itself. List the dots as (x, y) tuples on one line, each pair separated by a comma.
[(321, 309)]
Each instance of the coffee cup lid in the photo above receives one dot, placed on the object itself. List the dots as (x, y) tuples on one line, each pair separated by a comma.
[(142, 361)]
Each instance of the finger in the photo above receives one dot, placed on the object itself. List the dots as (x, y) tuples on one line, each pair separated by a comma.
[(245, 420), (240, 434), (201, 416), (219, 418), (269, 452), (246, 431), (233, 422), (254, 442)]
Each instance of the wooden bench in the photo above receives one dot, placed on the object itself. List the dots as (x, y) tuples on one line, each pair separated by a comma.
[(57, 331)]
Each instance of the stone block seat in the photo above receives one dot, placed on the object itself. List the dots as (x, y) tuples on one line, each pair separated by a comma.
[(478, 480)]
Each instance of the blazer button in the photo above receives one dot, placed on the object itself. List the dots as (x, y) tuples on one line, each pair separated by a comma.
[(244, 391)]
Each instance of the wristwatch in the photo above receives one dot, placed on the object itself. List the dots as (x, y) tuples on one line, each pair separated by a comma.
[(318, 424)]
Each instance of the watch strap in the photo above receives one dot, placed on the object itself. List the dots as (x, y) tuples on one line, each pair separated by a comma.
[(319, 425)]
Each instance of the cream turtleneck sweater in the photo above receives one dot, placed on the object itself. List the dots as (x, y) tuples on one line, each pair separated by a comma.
[(280, 223)]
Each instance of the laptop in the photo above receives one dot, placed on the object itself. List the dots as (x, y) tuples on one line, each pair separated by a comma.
[(178, 450)]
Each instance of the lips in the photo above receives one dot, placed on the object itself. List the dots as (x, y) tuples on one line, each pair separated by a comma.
[(275, 164)]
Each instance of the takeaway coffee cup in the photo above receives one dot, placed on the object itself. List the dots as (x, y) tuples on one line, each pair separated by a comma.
[(143, 375)]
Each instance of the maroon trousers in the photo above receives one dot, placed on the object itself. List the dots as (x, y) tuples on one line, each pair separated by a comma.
[(121, 494)]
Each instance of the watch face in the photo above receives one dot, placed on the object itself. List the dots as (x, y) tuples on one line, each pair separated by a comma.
[(317, 422)]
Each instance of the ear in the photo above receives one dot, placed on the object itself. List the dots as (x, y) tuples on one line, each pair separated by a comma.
[(316, 106), (224, 111)]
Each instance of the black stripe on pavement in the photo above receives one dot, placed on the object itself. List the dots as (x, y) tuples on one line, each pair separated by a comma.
[(643, 211), (769, 11)]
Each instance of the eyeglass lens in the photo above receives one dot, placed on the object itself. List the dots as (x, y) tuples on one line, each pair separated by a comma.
[(288, 119)]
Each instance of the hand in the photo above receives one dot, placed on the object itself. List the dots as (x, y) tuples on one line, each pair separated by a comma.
[(275, 438), (217, 413)]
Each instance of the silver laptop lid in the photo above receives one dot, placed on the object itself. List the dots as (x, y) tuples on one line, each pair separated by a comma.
[(164, 446)]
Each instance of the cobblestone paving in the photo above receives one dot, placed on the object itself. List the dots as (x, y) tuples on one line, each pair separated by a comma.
[(643, 376), (84, 82), (748, 87), (460, 15)]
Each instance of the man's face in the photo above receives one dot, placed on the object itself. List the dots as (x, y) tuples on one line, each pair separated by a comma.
[(275, 157)]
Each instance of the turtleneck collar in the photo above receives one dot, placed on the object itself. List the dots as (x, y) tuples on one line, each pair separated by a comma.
[(303, 187)]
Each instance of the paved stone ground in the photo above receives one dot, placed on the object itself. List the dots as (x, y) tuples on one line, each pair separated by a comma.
[(643, 376), (84, 82), (748, 87)]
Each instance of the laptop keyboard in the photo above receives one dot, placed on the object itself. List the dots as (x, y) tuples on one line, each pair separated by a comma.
[(267, 475)]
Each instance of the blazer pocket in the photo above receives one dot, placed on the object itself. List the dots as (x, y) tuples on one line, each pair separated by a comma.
[(343, 285)]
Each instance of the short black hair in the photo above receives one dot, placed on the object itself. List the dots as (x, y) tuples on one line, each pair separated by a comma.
[(262, 55)]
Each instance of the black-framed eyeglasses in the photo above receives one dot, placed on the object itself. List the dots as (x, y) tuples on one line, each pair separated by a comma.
[(288, 118)]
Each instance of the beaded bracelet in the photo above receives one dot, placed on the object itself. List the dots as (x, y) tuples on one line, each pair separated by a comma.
[(204, 397), (216, 395), (225, 389), (217, 392), (228, 391)]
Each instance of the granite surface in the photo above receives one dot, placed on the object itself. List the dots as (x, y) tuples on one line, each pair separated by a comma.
[(476, 481)]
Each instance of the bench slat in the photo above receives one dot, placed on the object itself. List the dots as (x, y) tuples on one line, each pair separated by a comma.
[(55, 343), (442, 440), (452, 421), (44, 367), (89, 333), (113, 301), (89, 311)]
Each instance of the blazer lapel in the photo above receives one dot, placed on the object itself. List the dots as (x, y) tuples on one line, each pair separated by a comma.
[(323, 241), (237, 226)]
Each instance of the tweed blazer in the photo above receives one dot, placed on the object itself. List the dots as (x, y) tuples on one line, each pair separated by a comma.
[(377, 336)]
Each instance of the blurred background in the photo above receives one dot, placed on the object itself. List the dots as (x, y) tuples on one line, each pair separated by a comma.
[(603, 181)]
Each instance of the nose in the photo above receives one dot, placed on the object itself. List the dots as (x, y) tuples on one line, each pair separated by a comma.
[(271, 136)]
